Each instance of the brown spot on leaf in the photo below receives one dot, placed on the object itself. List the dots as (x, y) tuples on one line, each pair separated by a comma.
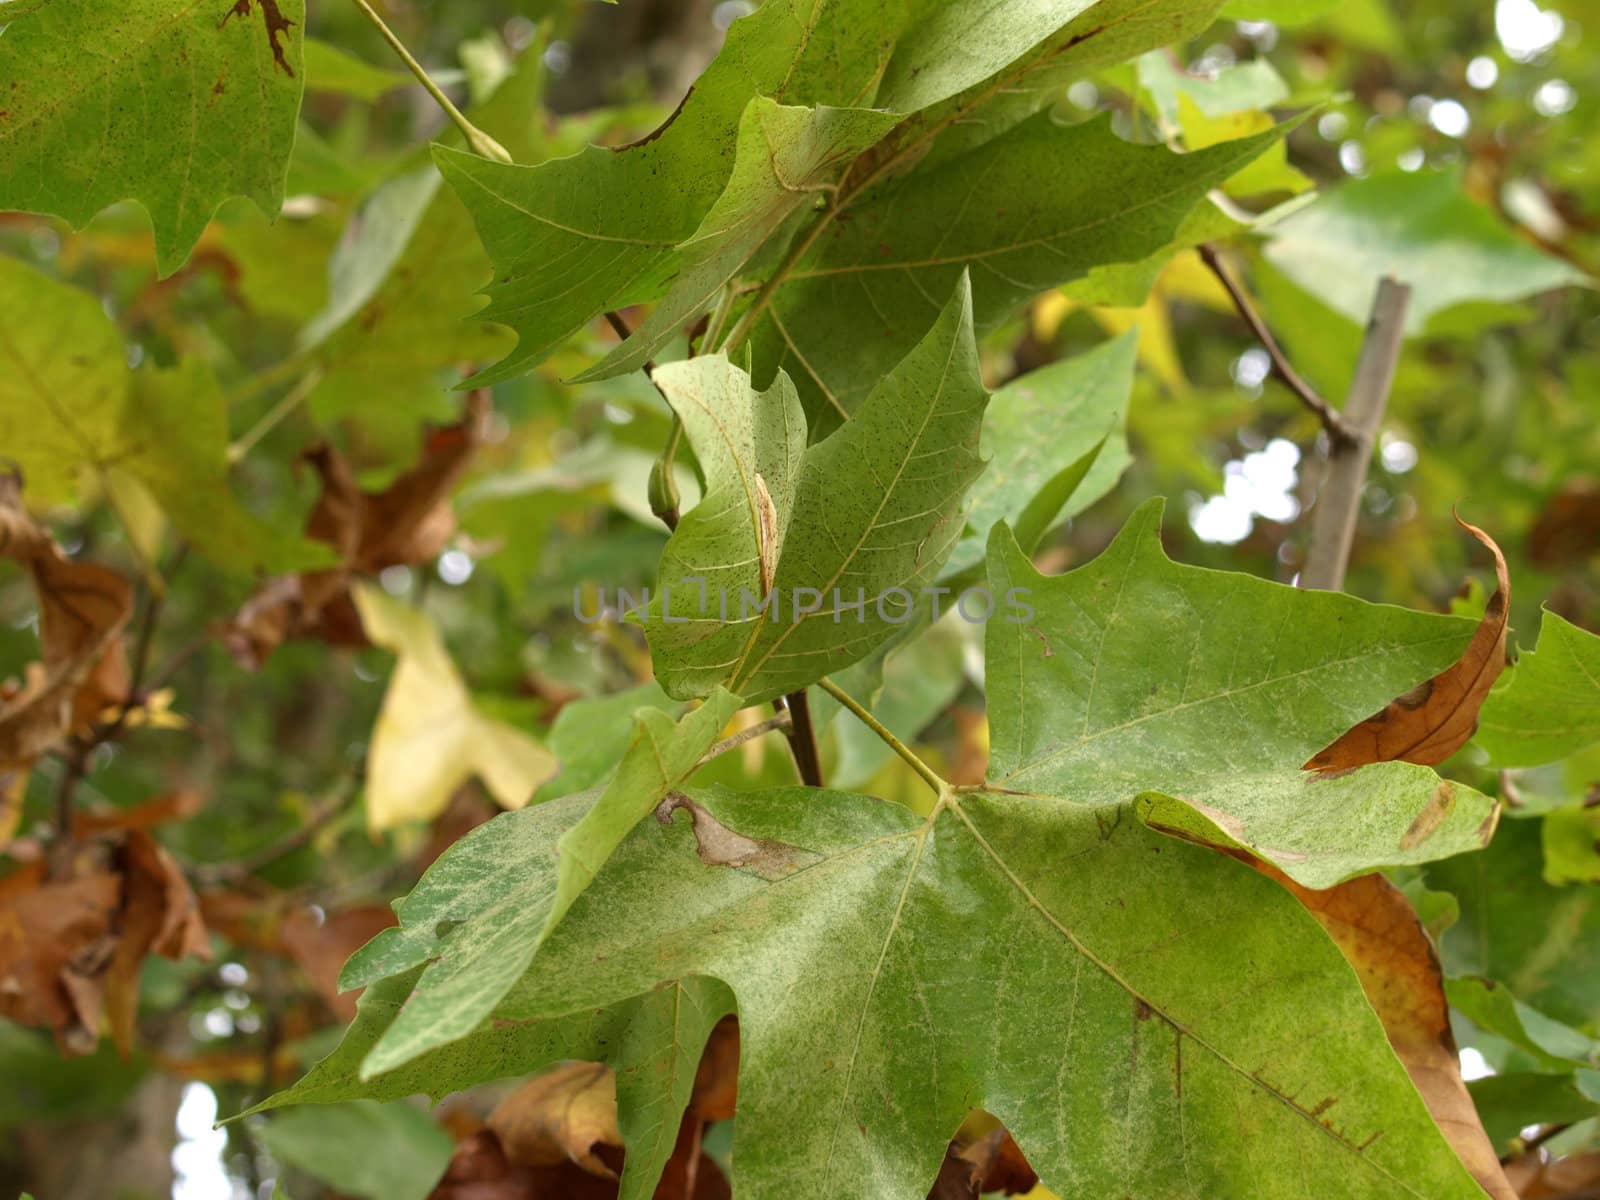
[(277, 25), (1432, 721), (1427, 822), (719, 846)]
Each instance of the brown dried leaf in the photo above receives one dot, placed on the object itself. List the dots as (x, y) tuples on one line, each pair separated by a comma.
[(407, 522), (1573, 1178), (1431, 722), (716, 1080), (565, 1114), (1377, 930), (987, 1164), (159, 915), (82, 609), (55, 947), (1568, 530)]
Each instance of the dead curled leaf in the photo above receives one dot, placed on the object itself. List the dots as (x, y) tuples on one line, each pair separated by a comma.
[(565, 1114), (71, 950), (1569, 1178), (82, 610), (1432, 721), (1377, 930), (408, 522)]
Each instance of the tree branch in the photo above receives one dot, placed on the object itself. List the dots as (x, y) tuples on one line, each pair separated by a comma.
[(781, 721), (1339, 431), (1338, 502)]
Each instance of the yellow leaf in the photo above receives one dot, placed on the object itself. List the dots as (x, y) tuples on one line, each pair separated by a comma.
[(430, 737)]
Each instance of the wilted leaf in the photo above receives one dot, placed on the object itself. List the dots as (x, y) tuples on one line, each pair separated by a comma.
[(565, 1114), (1568, 530), (163, 86), (321, 943), (408, 522), (55, 947), (1559, 1179), (82, 610), (1433, 720), (1550, 706), (430, 736)]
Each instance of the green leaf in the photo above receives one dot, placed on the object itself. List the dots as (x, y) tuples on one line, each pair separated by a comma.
[(653, 1042), (893, 973), (787, 160), (1572, 845), (178, 107), (589, 737), (1492, 1007), (62, 415), (1540, 941), (1037, 434), (1056, 202), (1279, 12), (384, 1151), (1249, 85), (1510, 1102), (330, 68), (478, 930), (1549, 705), (874, 510), (1198, 694), (1421, 229)]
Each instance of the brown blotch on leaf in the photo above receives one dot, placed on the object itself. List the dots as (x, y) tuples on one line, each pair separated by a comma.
[(277, 25), (1427, 822), (1431, 722), (719, 846)]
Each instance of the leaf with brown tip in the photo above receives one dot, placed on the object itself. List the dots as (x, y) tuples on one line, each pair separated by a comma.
[(1432, 721), (1378, 932)]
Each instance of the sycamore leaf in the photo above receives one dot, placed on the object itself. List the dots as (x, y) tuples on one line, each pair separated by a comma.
[(653, 1043), (430, 737), (1197, 694), (787, 159), (176, 106), (1433, 720), (1376, 929), (865, 517), (1491, 1006), (1037, 430), (873, 1018), (509, 912), (1061, 201), (64, 414), (967, 67), (1550, 706)]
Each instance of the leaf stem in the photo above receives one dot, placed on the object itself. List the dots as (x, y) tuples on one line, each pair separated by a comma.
[(929, 775), (480, 141), (293, 399), (781, 721), (803, 738), (1339, 431)]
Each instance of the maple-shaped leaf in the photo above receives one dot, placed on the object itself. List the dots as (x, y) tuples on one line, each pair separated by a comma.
[(1198, 694), (800, 561), (653, 1042), (506, 913), (176, 106), (1053, 963)]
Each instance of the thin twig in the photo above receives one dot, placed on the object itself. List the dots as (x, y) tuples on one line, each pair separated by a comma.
[(1339, 431), (241, 869), (781, 721), (292, 399), (929, 775), (803, 739), (1338, 501), (480, 141)]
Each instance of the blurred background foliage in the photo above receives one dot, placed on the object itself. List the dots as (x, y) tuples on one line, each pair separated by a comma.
[(1460, 139)]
